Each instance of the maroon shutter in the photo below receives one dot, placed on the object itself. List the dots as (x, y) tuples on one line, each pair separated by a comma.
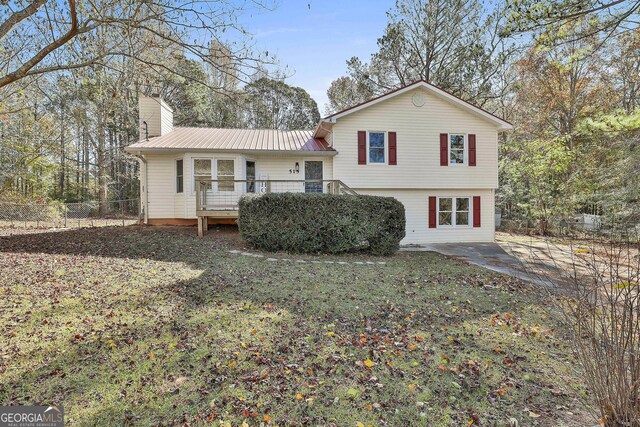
[(476, 211), (444, 149), (432, 211), (362, 147), (392, 149), (472, 149)]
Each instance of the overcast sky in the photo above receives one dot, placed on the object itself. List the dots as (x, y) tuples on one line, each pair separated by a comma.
[(315, 38)]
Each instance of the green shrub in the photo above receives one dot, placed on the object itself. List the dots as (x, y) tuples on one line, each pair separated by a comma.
[(322, 223)]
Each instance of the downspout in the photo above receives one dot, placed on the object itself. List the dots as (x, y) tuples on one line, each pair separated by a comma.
[(145, 194)]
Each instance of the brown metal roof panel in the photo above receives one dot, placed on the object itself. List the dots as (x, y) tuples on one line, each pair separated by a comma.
[(236, 139)]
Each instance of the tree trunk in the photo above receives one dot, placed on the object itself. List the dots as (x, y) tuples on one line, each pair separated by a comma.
[(61, 176), (101, 163)]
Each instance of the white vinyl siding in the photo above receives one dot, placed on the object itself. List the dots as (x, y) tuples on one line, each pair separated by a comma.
[(158, 116), (163, 200), (418, 145), (416, 203)]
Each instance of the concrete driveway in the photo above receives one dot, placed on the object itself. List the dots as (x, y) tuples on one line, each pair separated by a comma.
[(534, 261)]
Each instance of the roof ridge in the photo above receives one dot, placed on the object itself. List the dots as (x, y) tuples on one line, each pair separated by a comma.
[(236, 128)]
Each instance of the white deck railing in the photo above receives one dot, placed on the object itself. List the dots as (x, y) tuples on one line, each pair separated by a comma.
[(224, 195)]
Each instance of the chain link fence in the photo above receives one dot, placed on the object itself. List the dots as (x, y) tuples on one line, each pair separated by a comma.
[(69, 215)]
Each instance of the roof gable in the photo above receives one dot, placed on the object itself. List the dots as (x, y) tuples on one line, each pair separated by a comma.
[(440, 93)]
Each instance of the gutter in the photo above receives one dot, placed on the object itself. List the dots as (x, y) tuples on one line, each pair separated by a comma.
[(323, 153), (144, 197)]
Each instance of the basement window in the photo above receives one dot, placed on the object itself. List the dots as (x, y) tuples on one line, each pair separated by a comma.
[(453, 211)]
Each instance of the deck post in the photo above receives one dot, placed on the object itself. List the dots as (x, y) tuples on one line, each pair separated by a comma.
[(198, 204), (202, 220)]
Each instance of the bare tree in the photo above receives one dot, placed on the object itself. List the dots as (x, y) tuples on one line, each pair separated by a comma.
[(595, 283), (452, 44), (41, 37), (548, 18)]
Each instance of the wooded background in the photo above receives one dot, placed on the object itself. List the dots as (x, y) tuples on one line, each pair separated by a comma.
[(566, 73)]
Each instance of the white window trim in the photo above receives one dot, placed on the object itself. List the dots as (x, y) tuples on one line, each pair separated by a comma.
[(454, 212), (386, 148), (193, 171), (466, 150), (175, 174), (244, 161), (214, 172)]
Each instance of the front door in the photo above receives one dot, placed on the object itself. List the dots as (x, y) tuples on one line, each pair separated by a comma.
[(313, 171), (251, 176)]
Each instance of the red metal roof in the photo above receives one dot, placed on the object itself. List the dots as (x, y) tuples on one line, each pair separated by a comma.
[(191, 138)]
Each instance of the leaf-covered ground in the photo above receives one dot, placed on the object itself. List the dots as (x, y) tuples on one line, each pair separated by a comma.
[(153, 326)]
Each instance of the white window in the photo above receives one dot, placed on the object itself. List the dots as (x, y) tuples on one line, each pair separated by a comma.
[(457, 149), (226, 174), (179, 176), (377, 148), (453, 211), (201, 170)]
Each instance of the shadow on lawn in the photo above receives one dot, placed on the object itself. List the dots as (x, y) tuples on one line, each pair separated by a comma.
[(214, 313)]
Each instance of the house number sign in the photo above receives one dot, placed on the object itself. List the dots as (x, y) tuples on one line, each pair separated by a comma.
[(295, 169)]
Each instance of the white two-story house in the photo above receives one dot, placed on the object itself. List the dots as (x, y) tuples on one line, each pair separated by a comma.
[(434, 152)]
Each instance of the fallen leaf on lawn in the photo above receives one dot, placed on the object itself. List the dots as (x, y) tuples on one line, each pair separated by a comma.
[(412, 387), (534, 415), (368, 363)]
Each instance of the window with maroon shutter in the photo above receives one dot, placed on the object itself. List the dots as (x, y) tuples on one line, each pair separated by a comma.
[(362, 147), (393, 152), (472, 149), (476, 211), (432, 211), (444, 149)]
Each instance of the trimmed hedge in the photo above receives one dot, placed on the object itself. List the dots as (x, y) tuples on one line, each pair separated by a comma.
[(322, 223)]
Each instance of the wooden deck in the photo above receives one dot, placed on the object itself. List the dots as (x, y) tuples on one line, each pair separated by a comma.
[(214, 203)]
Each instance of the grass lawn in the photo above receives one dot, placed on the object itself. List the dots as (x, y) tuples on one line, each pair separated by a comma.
[(152, 326)]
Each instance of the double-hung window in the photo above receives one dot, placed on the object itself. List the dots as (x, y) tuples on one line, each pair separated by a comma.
[(201, 170), (453, 211), (377, 149), (457, 149), (179, 176), (226, 174)]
